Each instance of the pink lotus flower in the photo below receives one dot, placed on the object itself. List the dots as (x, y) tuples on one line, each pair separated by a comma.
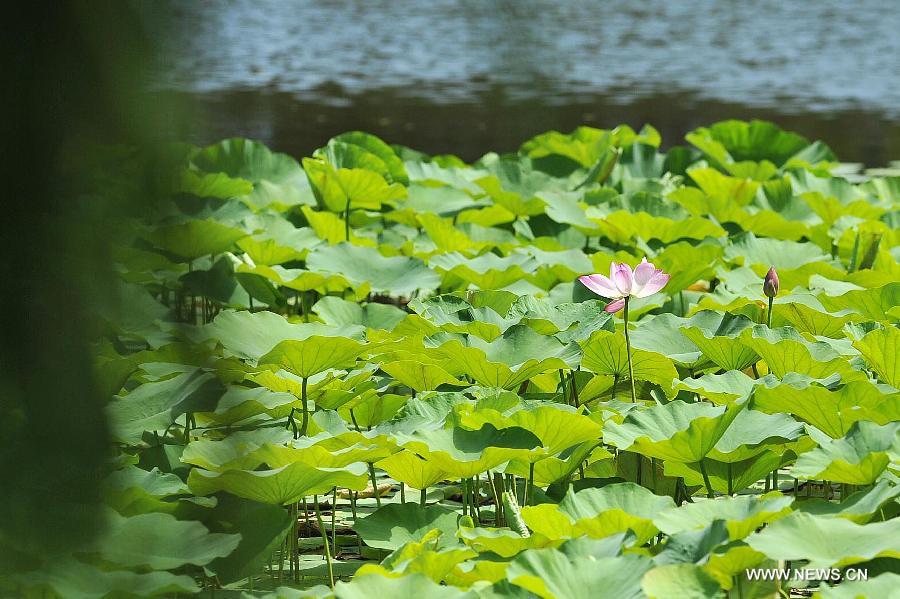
[(623, 282)]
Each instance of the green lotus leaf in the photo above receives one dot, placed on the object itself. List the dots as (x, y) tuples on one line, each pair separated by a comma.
[(716, 336), (873, 304), (879, 586), (411, 469), (278, 243), (463, 454), (510, 200), (342, 189), (412, 585), (550, 574), (262, 529), (676, 431), (826, 542), (568, 321), (881, 349), (487, 271), (236, 451), (807, 319), (679, 580), (550, 469), (754, 140), (724, 388), (240, 403), (475, 361), (132, 490), (251, 335), (420, 376), (211, 185), (742, 474), (276, 456), (364, 150), (860, 507), (623, 226), (747, 249), (253, 161), (505, 543), (195, 238), (335, 311), (784, 351), (71, 578), (161, 542), (279, 486), (584, 145), (661, 333), (394, 525), (832, 412), (557, 429), (857, 459), (742, 514), (752, 432), (370, 408), (397, 275), (599, 513), (154, 406), (314, 354), (687, 264), (736, 190), (605, 353)]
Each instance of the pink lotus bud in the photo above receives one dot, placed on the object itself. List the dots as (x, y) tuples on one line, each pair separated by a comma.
[(770, 283)]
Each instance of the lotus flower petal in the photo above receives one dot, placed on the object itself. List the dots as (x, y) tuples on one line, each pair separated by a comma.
[(642, 274), (623, 279), (601, 285), (615, 306), (656, 282)]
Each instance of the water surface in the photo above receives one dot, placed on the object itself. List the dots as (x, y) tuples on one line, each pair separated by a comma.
[(466, 76)]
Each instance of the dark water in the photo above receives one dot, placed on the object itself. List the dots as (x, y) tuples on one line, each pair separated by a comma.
[(470, 76)]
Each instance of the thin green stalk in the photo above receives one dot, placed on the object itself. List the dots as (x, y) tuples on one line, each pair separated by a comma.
[(730, 481), (709, 489), (640, 467), (775, 479), (464, 494), (347, 226), (305, 423), (653, 473), (402, 492), (333, 516), (628, 351), (374, 484), (562, 383), (324, 541), (769, 313), (614, 385), (574, 385), (529, 490), (423, 496)]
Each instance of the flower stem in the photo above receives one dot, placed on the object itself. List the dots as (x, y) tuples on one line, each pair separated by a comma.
[(709, 489), (305, 423), (769, 313), (628, 350), (324, 541)]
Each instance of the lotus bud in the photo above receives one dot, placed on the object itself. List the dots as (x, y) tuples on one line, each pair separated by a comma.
[(770, 283)]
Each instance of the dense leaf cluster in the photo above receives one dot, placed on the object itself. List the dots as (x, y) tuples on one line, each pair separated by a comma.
[(374, 372)]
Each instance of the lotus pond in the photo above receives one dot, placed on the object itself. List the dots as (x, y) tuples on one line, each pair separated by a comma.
[(373, 372)]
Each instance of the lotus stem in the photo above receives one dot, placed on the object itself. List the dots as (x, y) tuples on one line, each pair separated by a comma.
[(324, 541), (529, 490), (730, 480), (374, 484), (305, 423), (769, 313), (464, 494), (346, 231), (402, 492), (628, 351), (640, 467), (333, 516), (614, 385), (573, 383), (562, 383), (709, 489), (423, 495), (775, 479)]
